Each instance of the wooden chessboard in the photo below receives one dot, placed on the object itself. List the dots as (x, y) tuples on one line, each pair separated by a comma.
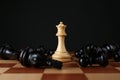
[(13, 70)]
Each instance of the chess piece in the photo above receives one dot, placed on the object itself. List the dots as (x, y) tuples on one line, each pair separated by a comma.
[(109, 49), (30, 57), (116, 56), (91, 54), (7, 52), (43, 50), (61, 53), (112, 51)]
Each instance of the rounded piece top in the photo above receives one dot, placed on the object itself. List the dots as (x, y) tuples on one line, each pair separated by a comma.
[(61, 29)]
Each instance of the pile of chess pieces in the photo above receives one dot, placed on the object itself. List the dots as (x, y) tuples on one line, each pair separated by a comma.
[(41, 57)]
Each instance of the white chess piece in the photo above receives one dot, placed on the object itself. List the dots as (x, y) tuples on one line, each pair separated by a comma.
[(61, 53)]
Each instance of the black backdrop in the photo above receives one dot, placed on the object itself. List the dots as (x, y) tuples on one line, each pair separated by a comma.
[(27, 23)]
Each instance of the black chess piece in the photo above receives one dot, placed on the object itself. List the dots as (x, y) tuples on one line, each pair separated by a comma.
[(30, 57), (7, 52), (91, 51), (23, 58), (116, 56), (84, 60), (78, 53), (91, 54), (112, 51), (102, 59), (109, 49), (43, 50)]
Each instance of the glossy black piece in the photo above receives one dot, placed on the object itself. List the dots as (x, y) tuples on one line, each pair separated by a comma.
[(102, 59), (90, 48), (43, 50), (116, 56), (112, 51), (78, 53), (23, 58), (109, 49), (7, 52), (91, 54), (84, 60), (30, 57)]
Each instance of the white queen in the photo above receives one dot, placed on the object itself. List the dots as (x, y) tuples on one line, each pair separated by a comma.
[(61, 53)]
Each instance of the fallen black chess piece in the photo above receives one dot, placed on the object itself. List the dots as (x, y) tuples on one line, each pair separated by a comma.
[(91, 54), (37, 58), (112, 51), (7, 52)]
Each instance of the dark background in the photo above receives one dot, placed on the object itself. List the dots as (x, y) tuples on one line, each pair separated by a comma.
[(33, 23)]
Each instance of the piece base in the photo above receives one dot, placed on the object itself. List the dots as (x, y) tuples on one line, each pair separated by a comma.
[(62, 56)]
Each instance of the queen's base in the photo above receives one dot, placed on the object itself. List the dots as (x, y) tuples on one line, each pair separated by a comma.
[(62, 56)]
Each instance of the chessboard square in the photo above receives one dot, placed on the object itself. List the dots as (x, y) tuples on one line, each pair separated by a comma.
[(7, 64), (115, 64), (101, 76), (70, 64), (2, 70), (25, 70), (99, 69), (64, 77), (9, 61), (21, 76), (18, 65), (64, 70)]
